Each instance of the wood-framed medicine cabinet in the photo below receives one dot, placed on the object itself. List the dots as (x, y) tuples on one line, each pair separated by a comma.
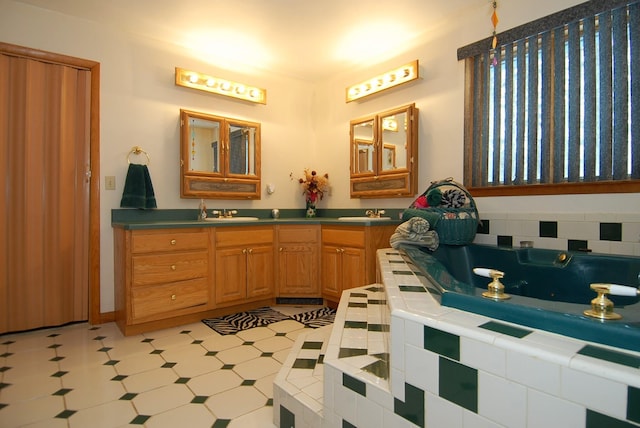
[(220, 157), (384, 154)]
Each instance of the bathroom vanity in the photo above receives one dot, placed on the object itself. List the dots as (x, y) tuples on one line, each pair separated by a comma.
[(169, 273)]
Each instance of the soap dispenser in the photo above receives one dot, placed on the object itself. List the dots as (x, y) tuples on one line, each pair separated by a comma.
[(202, 213)]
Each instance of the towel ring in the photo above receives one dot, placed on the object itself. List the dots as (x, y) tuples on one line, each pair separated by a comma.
[(137, 150)]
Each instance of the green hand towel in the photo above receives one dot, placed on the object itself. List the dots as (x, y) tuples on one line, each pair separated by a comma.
[(138, 189), (431, 217)]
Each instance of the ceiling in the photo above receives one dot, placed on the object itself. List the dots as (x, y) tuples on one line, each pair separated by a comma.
[(306, 39)]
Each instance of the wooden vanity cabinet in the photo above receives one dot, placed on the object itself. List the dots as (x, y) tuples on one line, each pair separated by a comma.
[(349, 257), (298, 260), (245, 264), (160, 274)]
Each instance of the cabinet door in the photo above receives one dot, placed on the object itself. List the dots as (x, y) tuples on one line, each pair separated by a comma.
[(298, 270), (353, 268), (331, 272), (231, 274), (260, 271)]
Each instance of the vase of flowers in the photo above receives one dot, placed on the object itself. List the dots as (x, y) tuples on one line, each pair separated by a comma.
[(313, 188)]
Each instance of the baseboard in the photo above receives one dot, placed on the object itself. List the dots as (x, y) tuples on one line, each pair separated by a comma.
[(299, 301)]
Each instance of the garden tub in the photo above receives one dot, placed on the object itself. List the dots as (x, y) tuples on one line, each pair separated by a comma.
[(549, 289)]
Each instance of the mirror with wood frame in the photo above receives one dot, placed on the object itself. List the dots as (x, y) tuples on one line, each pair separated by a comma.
[(384, 154), (220, 157)]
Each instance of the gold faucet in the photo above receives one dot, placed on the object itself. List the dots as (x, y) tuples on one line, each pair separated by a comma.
[(374, 214), (224, 213), (602, 306), (495, 289)]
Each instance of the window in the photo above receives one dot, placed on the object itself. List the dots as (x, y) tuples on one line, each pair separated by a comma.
[(556, 108)]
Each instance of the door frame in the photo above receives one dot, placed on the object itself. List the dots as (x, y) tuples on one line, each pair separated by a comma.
[(95, 316)]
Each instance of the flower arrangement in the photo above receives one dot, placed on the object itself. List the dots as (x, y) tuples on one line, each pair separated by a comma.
[(313, 186)]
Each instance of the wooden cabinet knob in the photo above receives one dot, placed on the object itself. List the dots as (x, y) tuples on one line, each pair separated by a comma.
[(172, 242), (173, 297), (173, 267), (250, 250)]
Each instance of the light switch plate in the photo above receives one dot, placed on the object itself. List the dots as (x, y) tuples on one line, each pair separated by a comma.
[(110, 182)]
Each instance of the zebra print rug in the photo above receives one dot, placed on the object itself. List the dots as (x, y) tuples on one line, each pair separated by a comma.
[(231, 324)]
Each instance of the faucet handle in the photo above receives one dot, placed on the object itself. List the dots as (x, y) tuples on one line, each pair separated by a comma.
[(380, 212)]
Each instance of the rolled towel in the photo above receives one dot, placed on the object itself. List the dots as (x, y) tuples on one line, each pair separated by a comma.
[(453, 198), (430, 216), (413, 228), (429, 240), (434, 197)]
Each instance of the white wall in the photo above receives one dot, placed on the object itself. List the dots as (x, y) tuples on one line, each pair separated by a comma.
[(303, 125)]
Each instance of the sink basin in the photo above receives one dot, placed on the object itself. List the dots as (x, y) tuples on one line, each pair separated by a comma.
[(231, 218), (363, 218)]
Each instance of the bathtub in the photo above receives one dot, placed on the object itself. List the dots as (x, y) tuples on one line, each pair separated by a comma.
[(549, 288)]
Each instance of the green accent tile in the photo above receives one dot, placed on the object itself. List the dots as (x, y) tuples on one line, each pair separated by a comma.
[(211, 353), (139, 420), (267, 354), (312, 345), (376, 302), (269, 402), (281, 334), (4, 385), (197, 342), (199, 399), (111, 363), (54, 335), (54, 359), (182, 380), (128, 396), (506, 329), (94, 328), (598, 420), (354, 384), (355, 324), (185, 332), (321, 359), (412, 409), (248, 382), (2, 406), (62, 391), (156, 352), (228, 366), (6, 355), (379, 369), (168, 365), (8, 342), (375, 289), (351, 352), (402, 272), (412, 288), (147, 340), (248, 343), (378, 327), (287, 419), (99, 337), (441, 342), (346, 424), (105, 349), (358, 295), (611, 356), (56, 346), (458, 383), (221, 423), (59, 374), (4, 369), (119, 378), (65, 414), (357, 305), (633, 404), (304, 363)]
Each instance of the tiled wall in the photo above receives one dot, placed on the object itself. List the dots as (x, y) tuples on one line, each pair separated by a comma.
[(600, 233)]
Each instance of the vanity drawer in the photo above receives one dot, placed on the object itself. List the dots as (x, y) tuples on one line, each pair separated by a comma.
[(347, 237), (159, 268), (239, 236), (185, 296), (168, 240), (298, 234)]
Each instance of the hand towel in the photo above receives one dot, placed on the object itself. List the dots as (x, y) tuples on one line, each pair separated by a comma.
[(413, 228), (430, 216), (429, 240), (138, 189)]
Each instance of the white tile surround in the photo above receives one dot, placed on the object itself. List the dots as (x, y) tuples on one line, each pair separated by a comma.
[(525, 227), (539, 380)]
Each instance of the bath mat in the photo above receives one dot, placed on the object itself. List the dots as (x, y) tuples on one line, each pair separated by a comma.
[(231, 324)]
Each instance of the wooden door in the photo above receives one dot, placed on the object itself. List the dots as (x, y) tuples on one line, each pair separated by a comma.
[(261, 271), (331, 272), (45, 206), (353, 268), (231, 274), (298, 270)]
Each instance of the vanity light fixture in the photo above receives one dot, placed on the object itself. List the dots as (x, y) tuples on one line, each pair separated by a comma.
[(390, 79), (203, 82)]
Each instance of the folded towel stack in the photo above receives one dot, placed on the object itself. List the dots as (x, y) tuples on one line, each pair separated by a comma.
[(415, 231)]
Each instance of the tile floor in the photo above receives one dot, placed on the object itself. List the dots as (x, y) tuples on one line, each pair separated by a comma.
[(81, 375)]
